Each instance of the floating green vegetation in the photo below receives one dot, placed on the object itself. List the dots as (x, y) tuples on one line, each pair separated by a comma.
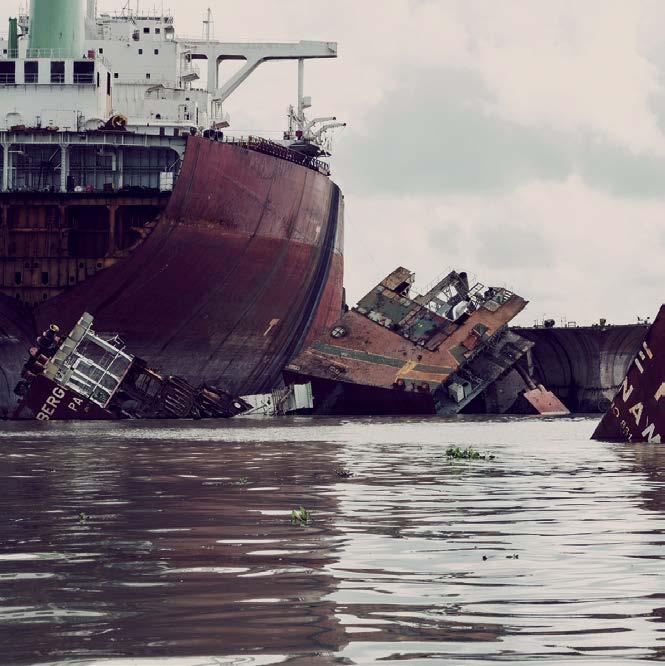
[(83, 517), (300, 516), (343, 473), (243, 480), (458, 453)]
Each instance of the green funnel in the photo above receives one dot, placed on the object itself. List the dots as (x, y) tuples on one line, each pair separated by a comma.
[(57, 28), (12, 46)]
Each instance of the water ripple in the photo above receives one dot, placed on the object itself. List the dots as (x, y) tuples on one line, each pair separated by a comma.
[(175, 541)]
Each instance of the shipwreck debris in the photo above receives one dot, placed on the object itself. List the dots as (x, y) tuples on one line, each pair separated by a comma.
[(90, 376), (403, 353), (292, 399), (637, 413)]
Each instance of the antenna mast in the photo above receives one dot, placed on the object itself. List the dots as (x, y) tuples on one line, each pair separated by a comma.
[(209, 26)]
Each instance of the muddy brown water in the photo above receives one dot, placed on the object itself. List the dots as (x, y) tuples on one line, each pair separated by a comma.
[(173, 543)]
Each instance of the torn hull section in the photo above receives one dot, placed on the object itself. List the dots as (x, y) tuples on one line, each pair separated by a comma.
[(403, 353), (637, 413), (89, 376)]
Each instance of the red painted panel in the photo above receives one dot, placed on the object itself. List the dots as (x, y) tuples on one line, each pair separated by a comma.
[(637, 413)]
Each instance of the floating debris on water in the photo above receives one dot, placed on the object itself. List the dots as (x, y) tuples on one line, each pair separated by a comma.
[(469, 453), (300, 516)]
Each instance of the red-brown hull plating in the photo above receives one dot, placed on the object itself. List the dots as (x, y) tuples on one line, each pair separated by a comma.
[(245, 261), (637, 413)]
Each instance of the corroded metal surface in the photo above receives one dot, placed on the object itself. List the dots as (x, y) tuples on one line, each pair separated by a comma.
[(86, 376), (16, 336), (584, 365), (543, 401), (394, 352), (637, 413), (245, 261)]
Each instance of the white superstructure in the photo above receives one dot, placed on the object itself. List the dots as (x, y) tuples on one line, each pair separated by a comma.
[(135, 66)]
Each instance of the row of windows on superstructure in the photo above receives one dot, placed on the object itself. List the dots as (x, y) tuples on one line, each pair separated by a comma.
[(101, 51), (84, 72)]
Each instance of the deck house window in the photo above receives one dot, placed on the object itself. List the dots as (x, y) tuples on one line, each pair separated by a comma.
[(31, 71), (7, 73), (57, 71), (84, 72)]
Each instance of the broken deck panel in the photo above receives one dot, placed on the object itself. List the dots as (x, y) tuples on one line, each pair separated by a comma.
[(398, 352), (90, 376)]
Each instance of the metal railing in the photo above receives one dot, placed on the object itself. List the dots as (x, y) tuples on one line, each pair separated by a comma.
[(83, 79), (7, 79), (267, 147), (189, 70)]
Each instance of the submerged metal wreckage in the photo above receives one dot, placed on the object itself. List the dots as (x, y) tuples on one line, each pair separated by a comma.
[(90, 376), (637, 413), (446, 351)]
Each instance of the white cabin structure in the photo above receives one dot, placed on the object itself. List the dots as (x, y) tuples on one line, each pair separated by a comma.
[(118, 111)]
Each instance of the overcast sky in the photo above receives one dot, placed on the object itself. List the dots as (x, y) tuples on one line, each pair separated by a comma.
[(520, 140)]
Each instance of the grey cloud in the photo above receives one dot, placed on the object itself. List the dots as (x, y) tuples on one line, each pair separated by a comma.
[(505, 245), (446, 237), (436, 132)]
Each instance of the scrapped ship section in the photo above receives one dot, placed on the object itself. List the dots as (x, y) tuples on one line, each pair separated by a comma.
[(637, 413), (399, 352), (121, 195), (89, 376)]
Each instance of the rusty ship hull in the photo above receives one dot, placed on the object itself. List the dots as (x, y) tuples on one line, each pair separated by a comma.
[(584, 366), (637, 412), (242, 264)]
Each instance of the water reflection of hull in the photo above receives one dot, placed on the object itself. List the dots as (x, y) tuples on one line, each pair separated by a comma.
[(637, 413)]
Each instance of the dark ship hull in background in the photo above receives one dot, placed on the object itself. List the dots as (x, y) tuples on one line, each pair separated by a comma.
[(637, 412), (583, 366), (243, 264)]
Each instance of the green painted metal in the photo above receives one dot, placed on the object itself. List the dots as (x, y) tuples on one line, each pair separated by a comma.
[(57, 28), (12, 46)]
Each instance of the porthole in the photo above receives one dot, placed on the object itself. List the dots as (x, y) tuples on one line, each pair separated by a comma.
[(338, 332)]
